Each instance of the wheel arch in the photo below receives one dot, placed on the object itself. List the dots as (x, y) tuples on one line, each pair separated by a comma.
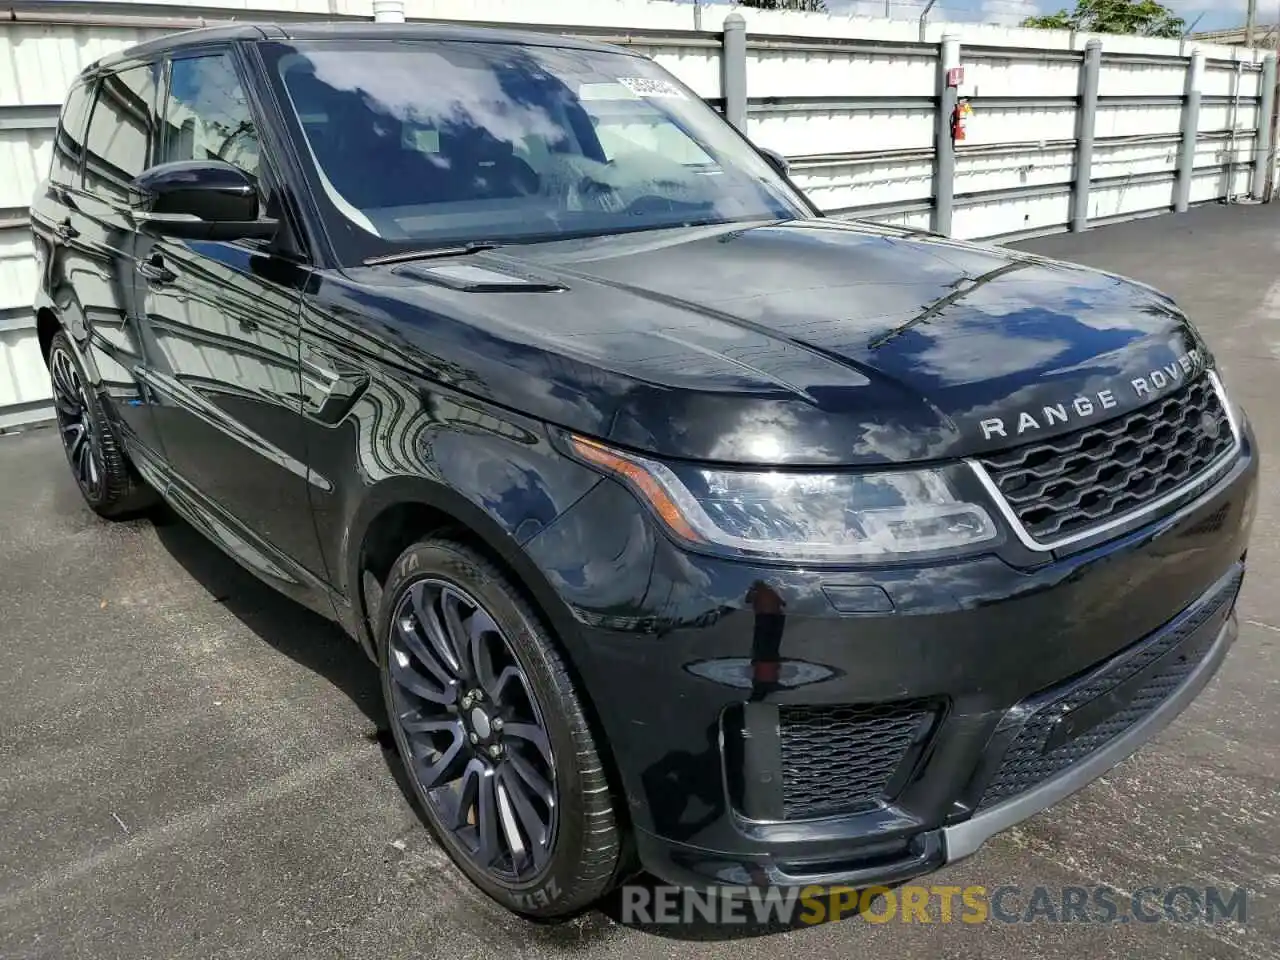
[(67, 319), (47, 326), (400, 511)]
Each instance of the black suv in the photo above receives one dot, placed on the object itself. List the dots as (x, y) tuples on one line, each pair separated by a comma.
[(688, 528)]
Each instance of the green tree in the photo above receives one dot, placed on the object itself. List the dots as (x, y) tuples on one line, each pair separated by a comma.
[(1143, 18), (813, 6)]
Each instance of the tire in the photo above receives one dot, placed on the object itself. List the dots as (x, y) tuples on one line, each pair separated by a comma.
[(97, 459), (439, 590)]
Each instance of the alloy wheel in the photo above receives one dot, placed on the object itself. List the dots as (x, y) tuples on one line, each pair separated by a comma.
[(472, 731), (75, 425)]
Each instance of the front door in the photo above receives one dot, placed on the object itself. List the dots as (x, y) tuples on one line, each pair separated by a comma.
[(225, 323)]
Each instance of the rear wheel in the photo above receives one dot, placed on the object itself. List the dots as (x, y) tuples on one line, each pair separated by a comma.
[(492, 735), (97, 459)]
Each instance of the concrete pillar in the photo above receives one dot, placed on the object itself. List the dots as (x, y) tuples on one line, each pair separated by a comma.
[(1190, 129), (944, 151), (1086, 118), (733, 70), (1262, 141)]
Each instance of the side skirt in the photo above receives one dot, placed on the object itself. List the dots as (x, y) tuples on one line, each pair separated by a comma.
[(237, 541)]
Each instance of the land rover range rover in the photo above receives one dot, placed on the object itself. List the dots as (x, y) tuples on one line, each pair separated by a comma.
[(687, 527)]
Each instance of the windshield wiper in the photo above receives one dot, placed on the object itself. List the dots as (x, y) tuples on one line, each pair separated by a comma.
[(432, 253)]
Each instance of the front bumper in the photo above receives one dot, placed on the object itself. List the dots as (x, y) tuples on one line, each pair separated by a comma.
[(1032, 681)]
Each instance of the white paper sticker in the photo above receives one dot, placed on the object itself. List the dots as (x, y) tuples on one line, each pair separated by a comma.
[(589, 92), (646, 87)]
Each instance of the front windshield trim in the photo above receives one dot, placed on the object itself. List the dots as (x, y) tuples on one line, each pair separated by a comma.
[(725, 180)]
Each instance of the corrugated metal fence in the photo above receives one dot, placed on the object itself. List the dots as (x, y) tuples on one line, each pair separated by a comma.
[(1062, 133)]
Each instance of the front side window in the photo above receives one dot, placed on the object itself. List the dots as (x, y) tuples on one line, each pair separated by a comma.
[(68, 144), (121, 129), (206, 115), (429, 143)]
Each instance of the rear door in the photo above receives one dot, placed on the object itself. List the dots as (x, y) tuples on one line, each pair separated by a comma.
[(93, 271), (225, 319)]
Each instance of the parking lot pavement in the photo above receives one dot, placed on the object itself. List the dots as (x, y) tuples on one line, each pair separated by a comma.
[(190, 766)]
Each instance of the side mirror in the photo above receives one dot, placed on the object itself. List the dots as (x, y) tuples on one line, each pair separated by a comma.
[(198, 200), (776, 160)]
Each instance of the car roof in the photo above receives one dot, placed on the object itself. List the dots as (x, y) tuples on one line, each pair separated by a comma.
[(340, 30)]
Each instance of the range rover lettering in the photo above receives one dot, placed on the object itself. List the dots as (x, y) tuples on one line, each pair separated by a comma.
[(689, 529)]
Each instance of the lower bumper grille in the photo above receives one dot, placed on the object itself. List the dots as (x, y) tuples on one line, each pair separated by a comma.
[(842, 759), (1136, 682)]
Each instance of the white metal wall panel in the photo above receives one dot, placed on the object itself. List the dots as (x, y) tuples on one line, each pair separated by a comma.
[(810, 132), (17, 268), (1227, 82), (1006, 170), (995, 76), (1222, 150), (1145, 46), (835, 186), (38, 63), (1137, 196), (697, 66), (1121, 159), (1250, 81), (24, 388), (1226, 116), (992, 124), (806, 73), (24, 163), (1129, 120), (1216, 184), (1129, 79), (987, 218)]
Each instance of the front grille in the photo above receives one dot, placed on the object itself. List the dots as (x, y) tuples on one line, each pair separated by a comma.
[(1028, 761), (1068, 484), (843, 759)]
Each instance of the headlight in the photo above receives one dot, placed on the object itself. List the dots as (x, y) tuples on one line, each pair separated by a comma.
[(801, 515)]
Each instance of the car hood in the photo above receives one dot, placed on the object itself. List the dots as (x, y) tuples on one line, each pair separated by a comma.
[(800, 342)]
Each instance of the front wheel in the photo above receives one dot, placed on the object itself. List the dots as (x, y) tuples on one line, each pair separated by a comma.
[(492, 734)]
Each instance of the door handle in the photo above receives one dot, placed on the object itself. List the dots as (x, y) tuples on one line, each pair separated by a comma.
[(65, 230), (155, 271)]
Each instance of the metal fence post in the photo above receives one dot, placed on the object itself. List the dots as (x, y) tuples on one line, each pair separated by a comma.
[(733, 70), (388, 11), (1086, 117), (944, 149), (1190, 130), (1262, 140)]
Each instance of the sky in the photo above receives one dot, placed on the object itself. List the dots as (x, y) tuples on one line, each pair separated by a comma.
[(1213, 14)]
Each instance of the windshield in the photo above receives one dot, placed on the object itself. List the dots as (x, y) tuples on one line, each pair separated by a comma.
[(417, 144)]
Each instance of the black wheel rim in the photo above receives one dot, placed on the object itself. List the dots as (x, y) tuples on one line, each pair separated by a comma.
[(79, 438), (471, 730)]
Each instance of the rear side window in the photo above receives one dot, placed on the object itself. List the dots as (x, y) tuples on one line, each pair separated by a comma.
[(68, 145), (207, 116), (121, 129)]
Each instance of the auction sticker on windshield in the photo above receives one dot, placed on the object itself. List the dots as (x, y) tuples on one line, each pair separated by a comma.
[(652, 87)]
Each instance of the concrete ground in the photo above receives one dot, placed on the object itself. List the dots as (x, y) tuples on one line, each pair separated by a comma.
[(189, 764)]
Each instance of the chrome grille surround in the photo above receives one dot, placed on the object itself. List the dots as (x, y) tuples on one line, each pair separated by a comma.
[(1208, 473)]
